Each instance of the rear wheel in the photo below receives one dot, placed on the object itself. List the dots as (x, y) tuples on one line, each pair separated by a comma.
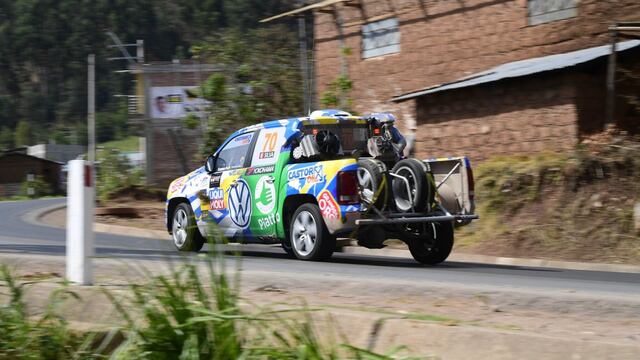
[(310, 238), (429, 244), (184, 230)]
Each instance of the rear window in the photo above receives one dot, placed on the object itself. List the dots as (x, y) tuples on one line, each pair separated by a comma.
[(352, 136)]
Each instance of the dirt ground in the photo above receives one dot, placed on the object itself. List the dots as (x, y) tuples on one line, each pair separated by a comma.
[(150, 215)]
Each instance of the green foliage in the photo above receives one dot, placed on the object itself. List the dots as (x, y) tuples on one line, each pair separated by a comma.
[(337, 93), (111, 125), (44, 46), (261, 79), (193, 312), (115, 173), (23, 134), (46, 337), (39, 187), (127, 144), (6, 138)]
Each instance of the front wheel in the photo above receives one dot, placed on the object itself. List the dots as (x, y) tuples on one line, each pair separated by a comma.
[(310, 238), (429, 244), (185, 233)]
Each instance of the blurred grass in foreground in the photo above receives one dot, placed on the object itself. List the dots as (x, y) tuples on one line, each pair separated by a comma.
[(192, 313)]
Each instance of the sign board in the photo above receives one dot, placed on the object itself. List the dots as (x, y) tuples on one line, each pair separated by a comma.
[(172, 102)]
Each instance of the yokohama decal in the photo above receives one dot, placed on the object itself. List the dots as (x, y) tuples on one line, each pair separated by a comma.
[(328, 206)]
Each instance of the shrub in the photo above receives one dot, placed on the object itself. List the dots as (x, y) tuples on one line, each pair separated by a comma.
[(39, 187)]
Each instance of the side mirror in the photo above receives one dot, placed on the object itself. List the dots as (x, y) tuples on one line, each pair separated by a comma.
[(210, 164)]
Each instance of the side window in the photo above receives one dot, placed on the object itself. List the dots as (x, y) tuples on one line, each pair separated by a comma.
[(268, 146), (233, 155)]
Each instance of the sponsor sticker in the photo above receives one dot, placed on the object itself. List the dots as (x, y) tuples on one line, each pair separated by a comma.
[(266, 155), (310, 174), (216, 199), (260, 170), (214, 180), (268, 221), (177, 184), (265, 195), (243, 140), (240, 203), (328, 206)]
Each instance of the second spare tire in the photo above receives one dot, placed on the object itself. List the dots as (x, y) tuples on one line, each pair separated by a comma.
[(421, 193), (371, 173)]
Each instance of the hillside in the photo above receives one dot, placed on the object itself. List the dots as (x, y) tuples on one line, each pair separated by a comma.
[(576, 206)]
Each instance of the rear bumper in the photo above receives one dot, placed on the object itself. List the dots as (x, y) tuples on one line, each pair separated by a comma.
[(343, 225)]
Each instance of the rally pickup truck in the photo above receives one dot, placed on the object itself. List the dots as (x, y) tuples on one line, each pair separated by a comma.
[(304, 182)]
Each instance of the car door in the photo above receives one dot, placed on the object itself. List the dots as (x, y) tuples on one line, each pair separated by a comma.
[(261, 177), (229, 194)]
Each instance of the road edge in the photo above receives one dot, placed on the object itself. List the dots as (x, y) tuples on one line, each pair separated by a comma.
[(34, 217)]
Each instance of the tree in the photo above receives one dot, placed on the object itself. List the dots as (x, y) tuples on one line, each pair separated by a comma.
[(261, 80), (6, 138), (23, 134)]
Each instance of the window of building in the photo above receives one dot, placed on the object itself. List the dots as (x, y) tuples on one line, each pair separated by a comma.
[(380, 38), (544, 11)]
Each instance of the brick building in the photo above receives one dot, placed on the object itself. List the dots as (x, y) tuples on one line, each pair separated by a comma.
[(403, 54), (19, 167)]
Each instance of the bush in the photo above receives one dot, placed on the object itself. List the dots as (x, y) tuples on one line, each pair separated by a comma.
[(183, 315), (45, 338), (115, 173), (39, 187)]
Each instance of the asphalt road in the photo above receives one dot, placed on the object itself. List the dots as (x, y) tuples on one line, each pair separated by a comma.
[(18, 236)]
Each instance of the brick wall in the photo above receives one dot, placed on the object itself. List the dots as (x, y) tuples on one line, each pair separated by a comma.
[(516, 117), (444, 40), (168, 162)]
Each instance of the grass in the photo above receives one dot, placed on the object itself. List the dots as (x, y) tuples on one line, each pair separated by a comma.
[(128, 144), (192, 313), (572, 206)]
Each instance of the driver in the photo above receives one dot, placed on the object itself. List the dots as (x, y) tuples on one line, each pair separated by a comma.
[(387, 121)]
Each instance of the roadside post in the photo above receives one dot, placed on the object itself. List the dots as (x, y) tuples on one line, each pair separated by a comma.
[(80, 204)]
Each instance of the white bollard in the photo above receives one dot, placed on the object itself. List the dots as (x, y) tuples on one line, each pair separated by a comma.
[(80, 212)]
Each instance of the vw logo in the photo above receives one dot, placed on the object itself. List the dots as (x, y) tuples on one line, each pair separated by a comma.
[(240, 204)]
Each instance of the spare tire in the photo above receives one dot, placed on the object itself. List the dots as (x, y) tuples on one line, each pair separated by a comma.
[(371, 173), (421, 186)]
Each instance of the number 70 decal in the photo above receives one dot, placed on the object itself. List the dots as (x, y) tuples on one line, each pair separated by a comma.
[(267, 146)]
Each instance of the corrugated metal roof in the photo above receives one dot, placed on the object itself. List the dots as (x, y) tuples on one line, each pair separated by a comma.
[(522, 68)]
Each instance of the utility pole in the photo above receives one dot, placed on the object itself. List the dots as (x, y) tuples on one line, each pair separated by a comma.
[(91, 106)]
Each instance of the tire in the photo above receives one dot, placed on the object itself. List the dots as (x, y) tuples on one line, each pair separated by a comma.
[(286, 246), (310, 238), (370, 175), (184, 230), (429, 244), (421, 185)]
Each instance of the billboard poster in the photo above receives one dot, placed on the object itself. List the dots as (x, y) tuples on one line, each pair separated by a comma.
[(171, 102)]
